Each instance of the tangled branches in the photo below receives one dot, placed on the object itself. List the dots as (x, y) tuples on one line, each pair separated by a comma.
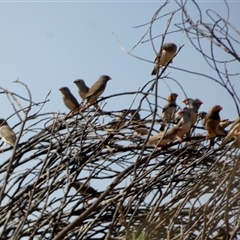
[(186, 191)]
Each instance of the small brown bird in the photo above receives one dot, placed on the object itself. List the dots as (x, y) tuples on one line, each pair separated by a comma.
[(164, 56), (222, 125), (184, 123), (69, 100), (85, 190), (193, 105), (233, 132), (118, 122), (8, 136), (212, 122), (163, 138), (96, 90), (137, 123), (82, 88), (168, 111)]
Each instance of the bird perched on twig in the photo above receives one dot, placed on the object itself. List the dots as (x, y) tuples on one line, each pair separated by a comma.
[(117, 123), (86, 190), (163, 138), (69, 100), (165, 55), (222, 125), (184, 123), (96, 90), (168, 111), (8, 135), (193, 105), (212, 121), (137, 123), (82, 88), (233, 132)]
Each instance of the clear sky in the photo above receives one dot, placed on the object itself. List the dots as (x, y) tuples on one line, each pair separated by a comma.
[(49, 44)]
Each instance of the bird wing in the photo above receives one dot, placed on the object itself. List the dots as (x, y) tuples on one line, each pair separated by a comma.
[(232, 132), (96, 90), (8, 135)]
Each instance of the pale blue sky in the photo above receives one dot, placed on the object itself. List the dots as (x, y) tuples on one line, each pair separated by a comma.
[(48, 45)]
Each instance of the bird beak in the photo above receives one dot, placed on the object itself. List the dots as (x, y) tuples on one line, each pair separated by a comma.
[(180, 112), (200, 102), (220, 108), (184, 100)]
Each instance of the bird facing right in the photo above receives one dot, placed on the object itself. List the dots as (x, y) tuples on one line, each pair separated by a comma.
[(96, 90), (212, 121), (8, 136), (165, 55), (222, 125)]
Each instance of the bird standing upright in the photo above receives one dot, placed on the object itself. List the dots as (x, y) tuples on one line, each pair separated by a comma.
[(184, 123), (168, 111), (222, 125), (82, 88), (8, 136), (96, 90), (69, 100), (193, 105), (212, 121), (165, 55)]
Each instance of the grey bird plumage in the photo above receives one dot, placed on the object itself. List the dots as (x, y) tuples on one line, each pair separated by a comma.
[(184, 123), (96, 90), (168, 112), (165, 55), (193, 105), (69, 100), (163, 138), (7, 133), (82, 88)]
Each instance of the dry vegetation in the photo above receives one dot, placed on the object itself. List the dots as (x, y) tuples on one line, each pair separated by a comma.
[(187, 191)]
